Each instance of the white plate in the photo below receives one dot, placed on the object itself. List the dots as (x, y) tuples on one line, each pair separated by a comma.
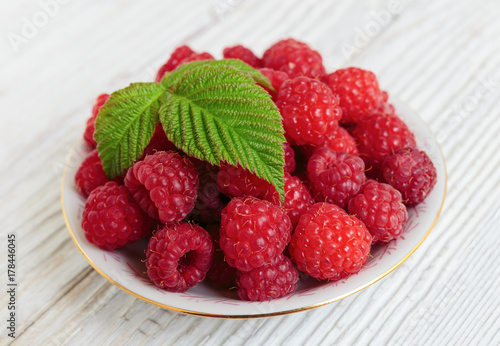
[(123, 267)]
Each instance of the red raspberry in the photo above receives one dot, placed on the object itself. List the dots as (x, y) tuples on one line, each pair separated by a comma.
[(221, 274), (242, 53), (329, 244), (309, 110), (380, 207), (270, 281), (379, 135), (297, 198), (386, 108), (88, 135), (289, 158), (159, 142), (181, 55), (411, 172), (253, 232), (358, 91), (179, 256), (294, 58), (164, 185), (198, 57), (335, 177), (90, 175), (112, 219), (208, 205), (276, 78), (339, 140), (237, 182)]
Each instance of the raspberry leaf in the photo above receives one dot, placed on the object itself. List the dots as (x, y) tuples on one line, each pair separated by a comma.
[(258, 77), (125, 125), (216, 112)]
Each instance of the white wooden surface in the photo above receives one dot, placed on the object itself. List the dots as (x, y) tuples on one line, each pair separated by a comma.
[(441, 58)]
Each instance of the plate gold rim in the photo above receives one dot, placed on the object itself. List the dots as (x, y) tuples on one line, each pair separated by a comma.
[(285, 312)]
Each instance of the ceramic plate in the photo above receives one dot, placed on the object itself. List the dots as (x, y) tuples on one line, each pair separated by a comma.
[(123, 267)]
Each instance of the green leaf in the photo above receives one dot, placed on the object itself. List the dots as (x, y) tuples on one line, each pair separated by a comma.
[(216, 113), (125, 125), (258, 77)]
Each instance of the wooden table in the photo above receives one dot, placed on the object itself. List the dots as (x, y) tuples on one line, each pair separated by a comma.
[(441, 58)]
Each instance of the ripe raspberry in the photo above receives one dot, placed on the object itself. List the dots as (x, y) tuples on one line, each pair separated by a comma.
[(242, 53), (181, 55), (339, 140), (112, 219), (329, 244), (289, 158), (358, 91), (379, 135), (253, 232), (164, 185), (88, 135), (297, 198), (90, 175), (294, 58), (197, 57), (209, 204), (237, 182), (335, 177), (309, 110), (270, 281), (179, 256), (411, 172), (380, 207), (159, 142), (276, 78), (221, 274)]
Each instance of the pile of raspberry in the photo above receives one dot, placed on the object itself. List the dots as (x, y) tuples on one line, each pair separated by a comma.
[(352, 169)]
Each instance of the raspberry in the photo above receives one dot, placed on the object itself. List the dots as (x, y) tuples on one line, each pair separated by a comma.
[(181, 55), (294, 58), (380, 207), (111, 218), (221, 274), (289, 158), (209, 204), (358, 91), (379, 135), (411, 172), (309, 110), (88, 135), (90, 175), (197, 57), (297, 198), (276, 78), (253, 232), (235, 181), (164, 185), (179, 256), (159, 142), (335, 177), (242, 53), (270, 281), (329, 244), (339, 140)]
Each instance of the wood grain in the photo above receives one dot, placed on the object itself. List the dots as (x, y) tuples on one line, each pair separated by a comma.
[(439, 57)]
